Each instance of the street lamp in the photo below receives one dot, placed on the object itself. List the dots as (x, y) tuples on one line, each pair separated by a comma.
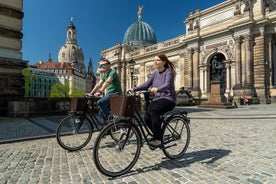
[(131, 64)]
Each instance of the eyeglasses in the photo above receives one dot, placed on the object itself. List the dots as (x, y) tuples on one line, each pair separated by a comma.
[(103, 65)]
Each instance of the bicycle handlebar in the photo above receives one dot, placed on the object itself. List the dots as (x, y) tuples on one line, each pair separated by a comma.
[(91, 97), (139, 92)]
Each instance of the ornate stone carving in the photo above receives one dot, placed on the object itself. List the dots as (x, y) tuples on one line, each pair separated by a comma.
[(196, 26), (229, 50), (270, 5), (247, 6), (237, 10), (190, 28)]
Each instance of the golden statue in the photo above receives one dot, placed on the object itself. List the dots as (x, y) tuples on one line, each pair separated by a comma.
[(140, 11)]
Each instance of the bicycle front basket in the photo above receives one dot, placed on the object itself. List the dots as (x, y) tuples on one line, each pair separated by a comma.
[(77, 104), (122, 105)]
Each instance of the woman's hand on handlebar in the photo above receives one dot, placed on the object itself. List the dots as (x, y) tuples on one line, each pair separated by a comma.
[(130, 92), (153, 90)]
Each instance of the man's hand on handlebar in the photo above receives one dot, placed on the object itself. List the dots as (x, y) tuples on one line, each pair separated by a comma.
[(98, 95)]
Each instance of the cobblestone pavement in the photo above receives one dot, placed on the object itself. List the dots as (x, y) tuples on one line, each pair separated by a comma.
[(223, 149)]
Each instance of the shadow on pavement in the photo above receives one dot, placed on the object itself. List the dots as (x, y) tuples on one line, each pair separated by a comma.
[(209, 157)]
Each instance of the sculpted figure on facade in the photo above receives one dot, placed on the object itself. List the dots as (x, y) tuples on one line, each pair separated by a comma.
[(196, 26), (190, 28), (270, 5), (229, 50), (238, 10)]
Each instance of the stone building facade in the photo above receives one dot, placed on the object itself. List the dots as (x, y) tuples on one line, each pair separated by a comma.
[(239, 34), (11, 63)]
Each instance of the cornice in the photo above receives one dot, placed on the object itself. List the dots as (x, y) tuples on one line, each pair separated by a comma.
[(10, 33), (11, 13)]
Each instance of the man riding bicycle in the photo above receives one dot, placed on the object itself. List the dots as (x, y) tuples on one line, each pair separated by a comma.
[(111, 84)]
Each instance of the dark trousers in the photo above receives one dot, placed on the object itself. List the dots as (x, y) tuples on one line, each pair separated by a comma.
[(153, 113)]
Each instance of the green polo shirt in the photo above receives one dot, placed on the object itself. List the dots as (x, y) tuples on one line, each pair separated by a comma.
[(115, 86)]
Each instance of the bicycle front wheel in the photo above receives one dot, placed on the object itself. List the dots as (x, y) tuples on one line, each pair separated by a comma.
[(72, 134), (176, 137), (115, 152)]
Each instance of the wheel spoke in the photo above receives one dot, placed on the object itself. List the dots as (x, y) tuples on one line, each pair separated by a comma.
[(72, 134), (115, 151), (176, 137)]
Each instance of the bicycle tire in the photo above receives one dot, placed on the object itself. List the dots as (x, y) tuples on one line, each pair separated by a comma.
[(115, 158), (71, 139), (176, 137)]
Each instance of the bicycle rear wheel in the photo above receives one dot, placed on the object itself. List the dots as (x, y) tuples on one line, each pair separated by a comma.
[(72, 134), (176, 137), (115, 152)]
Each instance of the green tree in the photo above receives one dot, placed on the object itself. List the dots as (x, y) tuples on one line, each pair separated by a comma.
[(78, 93), (59, 90), (28, 77)]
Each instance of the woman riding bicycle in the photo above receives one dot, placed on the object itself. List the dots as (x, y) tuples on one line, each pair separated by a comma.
[(164, 99)]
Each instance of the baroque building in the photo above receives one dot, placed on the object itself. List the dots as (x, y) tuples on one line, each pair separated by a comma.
[(11, 63), (70, 67), (239, 36)]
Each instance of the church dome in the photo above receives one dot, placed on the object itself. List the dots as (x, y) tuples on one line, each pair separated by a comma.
[(140, 33), (69, 53)]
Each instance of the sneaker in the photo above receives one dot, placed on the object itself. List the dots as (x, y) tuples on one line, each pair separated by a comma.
[(154, 144)]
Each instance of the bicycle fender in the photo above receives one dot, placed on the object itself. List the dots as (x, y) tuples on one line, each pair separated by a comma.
[(181, 114)]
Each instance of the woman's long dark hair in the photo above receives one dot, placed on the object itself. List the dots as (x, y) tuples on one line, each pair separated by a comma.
[(168, 64)]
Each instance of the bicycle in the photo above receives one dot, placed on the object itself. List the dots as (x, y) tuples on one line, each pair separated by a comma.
[(75, 131), (131, 133)]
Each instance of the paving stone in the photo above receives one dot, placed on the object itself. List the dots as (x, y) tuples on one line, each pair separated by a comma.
[(225, 147)]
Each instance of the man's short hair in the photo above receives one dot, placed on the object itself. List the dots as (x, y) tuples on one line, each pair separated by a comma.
[(105, 60)]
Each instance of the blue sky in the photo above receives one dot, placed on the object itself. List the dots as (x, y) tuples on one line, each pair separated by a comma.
[(100, 23)]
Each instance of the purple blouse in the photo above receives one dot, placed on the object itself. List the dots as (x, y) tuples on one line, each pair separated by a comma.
[(164, 82)]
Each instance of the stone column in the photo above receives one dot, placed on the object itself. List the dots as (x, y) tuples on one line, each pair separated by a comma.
[(203, 79), (190, 57), (142, 73), (228, 77), (181, 69), (248, 61), (196, 69), (238, 62), (269, 61), (123, 66)]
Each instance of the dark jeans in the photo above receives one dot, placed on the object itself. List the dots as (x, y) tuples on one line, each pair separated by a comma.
[(104, 106), (153, 113)]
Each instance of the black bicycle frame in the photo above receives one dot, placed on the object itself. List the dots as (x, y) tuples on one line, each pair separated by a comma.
[(89, 114)]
